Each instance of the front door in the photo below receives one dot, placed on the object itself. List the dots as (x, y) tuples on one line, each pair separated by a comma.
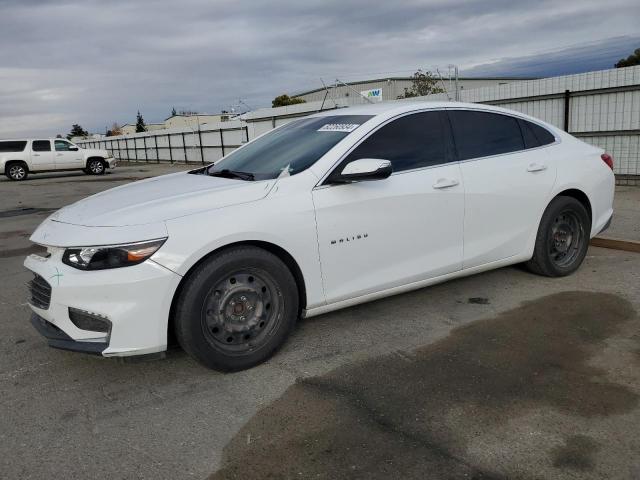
[(375, 235), (67, 155)]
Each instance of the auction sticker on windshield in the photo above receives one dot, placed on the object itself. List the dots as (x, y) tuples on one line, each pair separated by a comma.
[(339, 127)]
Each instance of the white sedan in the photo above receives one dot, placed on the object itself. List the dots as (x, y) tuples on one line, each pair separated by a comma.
[(329, 211)]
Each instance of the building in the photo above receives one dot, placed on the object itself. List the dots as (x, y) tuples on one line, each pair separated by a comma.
[(193, 121), (383, 89), (130, 128)]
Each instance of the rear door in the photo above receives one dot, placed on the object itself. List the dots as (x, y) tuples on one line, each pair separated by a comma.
[(41, 155), (67, 155), (507, 182), (375, 235)]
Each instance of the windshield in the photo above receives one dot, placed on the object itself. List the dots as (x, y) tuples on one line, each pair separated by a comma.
[(287, 150)]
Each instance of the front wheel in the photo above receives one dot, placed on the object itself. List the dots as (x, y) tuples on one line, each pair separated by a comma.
[(95, 167), (562, 239), (236, 309)]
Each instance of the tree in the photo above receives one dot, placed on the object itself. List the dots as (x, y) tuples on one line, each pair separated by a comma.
[(173, 112), (140, 126), (284, 100), (424, 83), (77, 131), (114, 130), (630, 61)]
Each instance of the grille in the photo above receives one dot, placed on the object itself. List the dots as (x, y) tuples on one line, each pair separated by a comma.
[(40, 292)]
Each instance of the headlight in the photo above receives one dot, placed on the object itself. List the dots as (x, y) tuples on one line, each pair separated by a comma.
[(100, 258)]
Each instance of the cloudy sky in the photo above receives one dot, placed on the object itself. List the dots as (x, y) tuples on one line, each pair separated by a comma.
[(98, 62)]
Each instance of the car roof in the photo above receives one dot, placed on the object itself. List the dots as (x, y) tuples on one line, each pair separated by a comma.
[(390, 109), (28, 139)]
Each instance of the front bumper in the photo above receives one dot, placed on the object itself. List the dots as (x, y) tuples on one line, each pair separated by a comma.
[(111, 162), (136, 301), (58, 339)]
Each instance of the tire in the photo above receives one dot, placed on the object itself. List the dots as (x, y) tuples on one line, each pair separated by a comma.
[(95, 166), (236, 309), (17, 171), (562, 240)]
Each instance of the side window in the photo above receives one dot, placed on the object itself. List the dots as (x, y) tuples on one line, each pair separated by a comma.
[(413, 141), (535, 135), (12, 146), (62, 146), (480, 134), (41, 146)]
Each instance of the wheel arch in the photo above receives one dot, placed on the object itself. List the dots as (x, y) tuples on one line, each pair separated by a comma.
[(93, 157), (9, 162), (276, 250), (578, 195)]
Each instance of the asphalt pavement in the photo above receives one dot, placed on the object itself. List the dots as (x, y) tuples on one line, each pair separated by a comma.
[(499, 375)]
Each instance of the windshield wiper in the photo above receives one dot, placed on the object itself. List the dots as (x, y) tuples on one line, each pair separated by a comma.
[(226, 173)]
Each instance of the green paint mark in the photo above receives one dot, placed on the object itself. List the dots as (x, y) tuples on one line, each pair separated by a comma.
[(57, 276)]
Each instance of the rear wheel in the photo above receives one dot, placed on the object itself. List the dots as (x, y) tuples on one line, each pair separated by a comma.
[(562, 240), (17, 171), (236, 309), (95, 167)]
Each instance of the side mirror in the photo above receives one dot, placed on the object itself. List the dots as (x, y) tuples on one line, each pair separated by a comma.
[(362, 170), (73, 148)]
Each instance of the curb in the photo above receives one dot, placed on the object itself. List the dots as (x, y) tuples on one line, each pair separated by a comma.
[(616, 244)]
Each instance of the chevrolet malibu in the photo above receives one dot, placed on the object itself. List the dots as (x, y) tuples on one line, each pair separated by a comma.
[(336, 209)]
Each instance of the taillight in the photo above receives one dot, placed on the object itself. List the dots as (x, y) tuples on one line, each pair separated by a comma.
[(608, 159)]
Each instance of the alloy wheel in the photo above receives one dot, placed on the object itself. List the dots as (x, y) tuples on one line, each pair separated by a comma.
[(17, 172), (96, 167)]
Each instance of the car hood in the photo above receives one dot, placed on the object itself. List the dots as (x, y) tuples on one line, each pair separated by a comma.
[(160, 198)]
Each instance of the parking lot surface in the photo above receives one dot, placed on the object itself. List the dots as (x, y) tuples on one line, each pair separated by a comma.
[(498, 375)]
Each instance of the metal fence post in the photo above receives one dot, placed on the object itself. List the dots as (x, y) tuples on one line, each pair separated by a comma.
[(144, 142), (170, 151), (567, 109), (184, 148), (222, 141), (200, 141)]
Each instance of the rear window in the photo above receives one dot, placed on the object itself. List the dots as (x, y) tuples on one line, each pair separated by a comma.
[(12, 146)]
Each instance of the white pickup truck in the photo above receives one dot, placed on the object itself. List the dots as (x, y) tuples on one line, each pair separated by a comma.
[(18, 158)]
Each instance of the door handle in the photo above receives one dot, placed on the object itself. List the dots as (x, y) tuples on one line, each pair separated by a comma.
[(445, 183), (536, 167), (36, 154), (58, 154)]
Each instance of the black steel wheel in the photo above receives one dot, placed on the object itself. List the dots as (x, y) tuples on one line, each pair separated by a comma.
[(563, 238), (236, 308), (242, 310)]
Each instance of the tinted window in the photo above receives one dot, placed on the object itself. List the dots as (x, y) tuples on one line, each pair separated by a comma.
[(412, 141), (530, 139), (12, 146), (290, 149), (62, 146), (535, 135), (41, 146), (480, 134)]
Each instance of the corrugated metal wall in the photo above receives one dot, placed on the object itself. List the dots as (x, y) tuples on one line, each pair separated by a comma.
[(603, 109)]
